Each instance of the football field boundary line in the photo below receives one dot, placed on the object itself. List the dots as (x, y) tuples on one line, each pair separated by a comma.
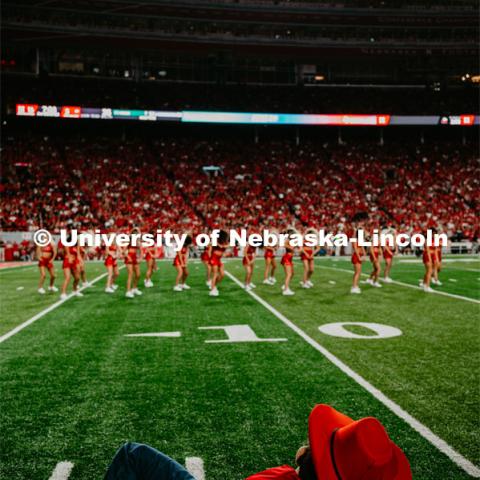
[(422, 429), (52, 307), (408, 285)]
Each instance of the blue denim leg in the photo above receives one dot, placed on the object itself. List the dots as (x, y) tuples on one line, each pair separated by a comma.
[(134, 461)]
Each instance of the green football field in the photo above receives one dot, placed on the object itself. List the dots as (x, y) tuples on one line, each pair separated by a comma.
[(74, 386)]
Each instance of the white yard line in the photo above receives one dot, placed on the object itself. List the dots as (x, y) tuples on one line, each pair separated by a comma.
[(194, 465), (62, 471), (41, 314), (423, 430), (408, 285)]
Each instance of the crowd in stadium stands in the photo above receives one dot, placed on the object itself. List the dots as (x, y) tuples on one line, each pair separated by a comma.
[(114, 186), (287, 99)]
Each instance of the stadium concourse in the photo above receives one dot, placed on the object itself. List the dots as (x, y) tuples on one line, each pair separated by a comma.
[(88, 183)]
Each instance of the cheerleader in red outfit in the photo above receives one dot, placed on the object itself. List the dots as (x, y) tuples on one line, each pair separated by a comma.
[(248, 263), (180, 263), (287, 262), (205, 257), (216, 263), (429, 261), (307, 255), (111, 256), (133, 268), (358, 254), (46, 255), (270, 266), (81, 266), (374, 254), (71, 261), (437, 267), (149, 255), (388, 251)]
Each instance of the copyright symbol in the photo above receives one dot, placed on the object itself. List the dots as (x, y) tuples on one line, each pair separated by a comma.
[(42, 238)]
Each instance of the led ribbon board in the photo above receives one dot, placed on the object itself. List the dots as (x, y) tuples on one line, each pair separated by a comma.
[(244, 118)]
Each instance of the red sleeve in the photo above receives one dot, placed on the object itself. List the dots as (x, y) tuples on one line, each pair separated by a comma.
[(284, 472)]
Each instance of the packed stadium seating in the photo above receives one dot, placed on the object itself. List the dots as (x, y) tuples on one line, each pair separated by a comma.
[(111, 185)]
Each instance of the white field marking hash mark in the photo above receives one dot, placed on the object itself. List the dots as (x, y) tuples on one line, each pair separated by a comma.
[(62, 471), (408, 285), (194, 465), (41, 314), (422, 429)]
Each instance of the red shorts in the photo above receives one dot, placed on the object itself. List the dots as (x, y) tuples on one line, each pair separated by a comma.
[(387, 255), (373, 259), (45, 262), (287, 260), (269, 254), (71, 265), (215, 261), (356, 259), (110, 261), (131, 259), (305, 257), (205, 257), (426, 260), (176, 262), (244, 261)]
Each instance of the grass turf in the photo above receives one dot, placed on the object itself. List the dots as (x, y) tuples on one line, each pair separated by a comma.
[(74, 387)]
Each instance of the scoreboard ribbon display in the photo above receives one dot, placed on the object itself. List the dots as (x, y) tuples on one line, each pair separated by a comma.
[(188, 116)]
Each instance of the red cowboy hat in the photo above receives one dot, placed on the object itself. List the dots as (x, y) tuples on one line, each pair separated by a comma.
[(344, 449)]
